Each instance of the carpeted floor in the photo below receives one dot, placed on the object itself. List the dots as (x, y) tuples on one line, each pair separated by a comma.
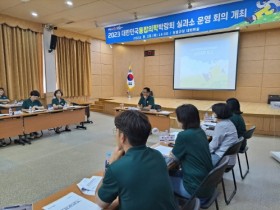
[(32, 172)]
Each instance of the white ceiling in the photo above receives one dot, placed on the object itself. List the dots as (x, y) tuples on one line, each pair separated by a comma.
[(81, 17)]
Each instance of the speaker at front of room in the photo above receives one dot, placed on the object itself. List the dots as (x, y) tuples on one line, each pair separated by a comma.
[(53, 43)]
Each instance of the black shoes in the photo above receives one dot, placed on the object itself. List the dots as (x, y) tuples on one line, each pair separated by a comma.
[(57, 131), (67, 130)]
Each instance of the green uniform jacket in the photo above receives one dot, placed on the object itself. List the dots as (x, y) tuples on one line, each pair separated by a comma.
[(192, 150), (140, 179)]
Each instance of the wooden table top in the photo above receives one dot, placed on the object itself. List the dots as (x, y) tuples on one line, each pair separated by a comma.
[(202, 105), (151, 111)]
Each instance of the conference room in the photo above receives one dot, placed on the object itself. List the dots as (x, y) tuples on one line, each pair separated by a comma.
[(70, 70)]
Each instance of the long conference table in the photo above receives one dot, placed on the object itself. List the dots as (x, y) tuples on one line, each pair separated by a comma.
[(160, 120), (25, 123)]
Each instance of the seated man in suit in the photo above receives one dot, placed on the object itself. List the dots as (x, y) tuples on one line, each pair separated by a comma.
[(33, 103), (146, 101), (136, 174)]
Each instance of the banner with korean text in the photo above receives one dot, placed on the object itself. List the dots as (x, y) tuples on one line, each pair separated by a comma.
[(225, 16)]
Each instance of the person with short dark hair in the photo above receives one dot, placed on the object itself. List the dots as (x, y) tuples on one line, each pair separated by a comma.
[(225, 134), (32, 101), (58, 103), (237, 119), (146, 100), (137, 175), (192, 150), (3, 98), (35, 104)]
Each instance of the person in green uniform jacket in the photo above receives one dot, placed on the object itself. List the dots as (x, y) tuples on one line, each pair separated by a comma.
[(58, 103), (3, 98), (35, 104), (146, 100), (237, 119), (137, 175), (191, 149)]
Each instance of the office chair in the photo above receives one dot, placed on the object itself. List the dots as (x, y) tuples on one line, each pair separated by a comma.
[(233, 150), (249, 133), (210, 181), (193, 204)]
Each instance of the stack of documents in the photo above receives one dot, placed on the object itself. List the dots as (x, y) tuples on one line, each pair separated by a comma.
[(88, 185), (72, 201)]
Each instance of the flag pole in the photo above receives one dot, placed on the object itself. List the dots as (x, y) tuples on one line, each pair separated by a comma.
[(130, 82)]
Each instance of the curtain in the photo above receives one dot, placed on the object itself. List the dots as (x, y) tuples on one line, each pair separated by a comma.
[(21, 67), (73, 67)]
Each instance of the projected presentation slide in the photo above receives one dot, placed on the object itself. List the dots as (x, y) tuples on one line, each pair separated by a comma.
[(206, 62)]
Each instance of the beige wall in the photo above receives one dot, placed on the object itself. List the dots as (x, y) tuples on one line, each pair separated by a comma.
[(102, 81), (258, 69), (124, 56)]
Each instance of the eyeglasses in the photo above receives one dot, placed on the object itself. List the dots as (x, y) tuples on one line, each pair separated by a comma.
[(144, 92)]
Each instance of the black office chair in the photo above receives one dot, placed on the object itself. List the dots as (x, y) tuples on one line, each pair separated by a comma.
[(193, 204), (249, 133), (233, 150), (210, 181)]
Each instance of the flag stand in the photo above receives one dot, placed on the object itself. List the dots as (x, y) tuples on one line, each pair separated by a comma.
[(128, 94)]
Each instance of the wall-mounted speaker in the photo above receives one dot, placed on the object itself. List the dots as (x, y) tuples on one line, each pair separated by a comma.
[(53, 43)]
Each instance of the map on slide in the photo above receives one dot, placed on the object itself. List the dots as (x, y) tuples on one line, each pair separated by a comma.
[(202, 74)]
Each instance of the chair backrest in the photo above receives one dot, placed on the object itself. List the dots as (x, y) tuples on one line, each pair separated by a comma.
[(193, 204), (234, 149), (210, 181), (249, 133), (214, 177)]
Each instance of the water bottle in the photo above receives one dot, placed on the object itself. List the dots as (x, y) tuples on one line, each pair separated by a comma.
[(166, 134), (10, 111), (107, 160), (205, 117), (30, 109), (214, 118)]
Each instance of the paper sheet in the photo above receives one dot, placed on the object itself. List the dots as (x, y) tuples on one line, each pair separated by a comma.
[(165, 151), (72, 201), (88, 185)]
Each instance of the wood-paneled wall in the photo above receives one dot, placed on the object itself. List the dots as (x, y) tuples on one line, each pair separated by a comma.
[(258, 69), (101, 70)]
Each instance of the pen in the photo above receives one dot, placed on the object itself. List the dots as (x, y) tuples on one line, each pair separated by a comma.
[(11, 207)]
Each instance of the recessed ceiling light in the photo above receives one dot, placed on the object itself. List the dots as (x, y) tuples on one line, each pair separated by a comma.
[(34, 14), (170, 37), (69, 3), (144, 40), (25, 0)]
